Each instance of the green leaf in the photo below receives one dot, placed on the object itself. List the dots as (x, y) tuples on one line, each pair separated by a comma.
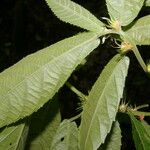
[(147, 127), (66, 137), (101, 107), (141, 133), (75, 14), (43, 126), (124, 11), (113, 140), (140, 31), (13, 137), (30, 83), (147, 3)]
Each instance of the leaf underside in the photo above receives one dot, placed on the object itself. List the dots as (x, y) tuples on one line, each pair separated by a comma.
[(147, 3), (30, 83), (75, 14), (125, 11), (13, 137), (101, 107), (43, 126), (140, 31), (66, 137), (141, 133), (113, 140)]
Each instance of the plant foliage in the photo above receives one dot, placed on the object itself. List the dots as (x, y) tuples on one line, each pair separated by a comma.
[(14, 137), (66, 137), (30, 83), (73, 13), (141, 133), (100, 110), (147, 3), (33, 81), (43, 126), (113, 140), (124, 11), (140, 31)]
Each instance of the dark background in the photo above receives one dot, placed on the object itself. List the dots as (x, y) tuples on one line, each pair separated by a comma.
[(29, 25)]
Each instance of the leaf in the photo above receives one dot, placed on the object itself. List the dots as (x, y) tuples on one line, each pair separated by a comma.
[(147, 127), (75, 14), (43, 126), (140, 31), (30, 83), (66, 137), (124, 11), (13, 137), (147, 3), (113, 140), (141, 134), (101, 107)]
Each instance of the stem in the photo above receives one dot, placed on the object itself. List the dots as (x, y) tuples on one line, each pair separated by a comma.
[(139, 58), (135, 50), (76, 91), (139, 113), (76, 117), (142, 106)]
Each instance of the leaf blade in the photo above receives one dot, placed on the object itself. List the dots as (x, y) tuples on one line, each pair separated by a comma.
[(66, 137), (13, 137), (140, 31), (113, 141), (43, 126), (140, 135), (30, 83), (101, 107), (147, 3), (124, 11), (72, 13)]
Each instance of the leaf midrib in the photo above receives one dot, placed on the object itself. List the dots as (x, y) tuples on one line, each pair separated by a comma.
[(99, 103), (81, 16), (68, 135), (20, 135), (32, 74), (8, 134), (139, 135)]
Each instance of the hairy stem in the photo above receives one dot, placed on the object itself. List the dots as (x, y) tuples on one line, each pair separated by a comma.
[(139, 113), (75, 117), (142, 106), (76, 91), (139, 58), (135, 50)]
